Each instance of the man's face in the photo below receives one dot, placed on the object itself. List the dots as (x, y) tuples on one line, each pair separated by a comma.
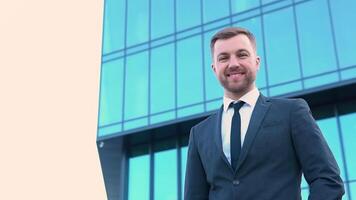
[(235, 64)]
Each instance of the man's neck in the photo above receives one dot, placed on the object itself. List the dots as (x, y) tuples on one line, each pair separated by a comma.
[(236, 96)]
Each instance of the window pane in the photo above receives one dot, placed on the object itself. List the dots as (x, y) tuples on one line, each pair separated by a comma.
[(331, 134), (254, 25), (353, 190), (220, 8), (189, 71), (344, 15), (213, 88), (184, 152), (111, 92), (239, 6), (162, 16), (137, 22), (136, 86), (185, 20), (316, 44), (165, 187), (162, 79), (281, 45), (348, 127), (139, 171), (114, 25)]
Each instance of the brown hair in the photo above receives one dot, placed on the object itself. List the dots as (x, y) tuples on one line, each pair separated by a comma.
[(230, 32)]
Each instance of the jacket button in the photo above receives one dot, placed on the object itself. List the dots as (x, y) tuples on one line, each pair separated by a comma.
[(235, 182)]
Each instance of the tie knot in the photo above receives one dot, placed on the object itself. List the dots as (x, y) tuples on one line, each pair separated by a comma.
[(237, 105)]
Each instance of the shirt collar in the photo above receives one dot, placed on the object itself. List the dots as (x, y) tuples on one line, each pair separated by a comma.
[(249, 98)]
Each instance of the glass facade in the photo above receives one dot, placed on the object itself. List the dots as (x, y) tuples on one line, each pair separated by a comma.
[(156, 70), (153, 51)]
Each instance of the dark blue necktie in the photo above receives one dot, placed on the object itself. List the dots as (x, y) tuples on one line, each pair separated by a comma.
[(235, 137)]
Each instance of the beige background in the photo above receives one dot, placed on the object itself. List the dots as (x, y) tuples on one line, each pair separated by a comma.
[(49, 82)]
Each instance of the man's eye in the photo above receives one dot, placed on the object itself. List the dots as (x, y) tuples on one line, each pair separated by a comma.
[(221, 59), (243, 55)]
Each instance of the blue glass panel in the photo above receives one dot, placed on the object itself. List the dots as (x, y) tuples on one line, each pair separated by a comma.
[(183, 112), (316, 44), (276, 6), (213, 88), (331, 134), (114, 25), (264, 92), (111, 90), (254, 25), (214, 105), (346, 195), (136, 86), (165, 175), (162, 17), (286, 88), (137, 22), (220, 9), (139, 171), (348, 73), (268, 1), (137, 123), (217, 24), (239, 6), (281, 47), (344, 15), (304, 183), (162, 117), (321, 80), (184, 152), (348, 127), (188, 14), (162, 79), (353, 190), (189, 71), (305, 193), (108, 130)]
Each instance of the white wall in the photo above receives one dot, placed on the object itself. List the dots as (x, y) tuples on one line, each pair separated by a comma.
[(49, 84)]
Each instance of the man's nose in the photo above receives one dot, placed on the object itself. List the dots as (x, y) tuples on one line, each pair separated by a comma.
[(234, 62)]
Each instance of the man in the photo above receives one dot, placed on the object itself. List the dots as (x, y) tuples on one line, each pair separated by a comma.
[(254, 147)]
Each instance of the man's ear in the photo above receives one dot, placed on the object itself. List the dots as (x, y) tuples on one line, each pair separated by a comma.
[(213, 67), (258, 61)]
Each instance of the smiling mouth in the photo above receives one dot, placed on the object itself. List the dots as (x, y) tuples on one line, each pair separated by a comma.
[(234, 74)]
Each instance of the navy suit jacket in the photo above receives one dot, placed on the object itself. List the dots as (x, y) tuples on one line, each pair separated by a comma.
[(282, 142)]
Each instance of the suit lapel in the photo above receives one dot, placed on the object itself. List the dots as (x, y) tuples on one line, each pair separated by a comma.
[(258, 114), (218, 140)]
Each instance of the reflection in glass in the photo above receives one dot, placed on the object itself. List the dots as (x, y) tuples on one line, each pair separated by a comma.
[(348, 127), (316, 44), (189, 71), (111, 92), (162, 18), (114, 24), (220, 9), (184, 152), (162, 79), (136, 86), (281, 47), (139, 172), (344, 15), (165, 175), (188, 14), (137, 22)]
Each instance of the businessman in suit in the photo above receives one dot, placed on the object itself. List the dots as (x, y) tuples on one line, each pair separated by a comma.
[(255, 147)]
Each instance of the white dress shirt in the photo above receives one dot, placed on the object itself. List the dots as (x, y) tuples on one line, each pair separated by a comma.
[(250, 100)]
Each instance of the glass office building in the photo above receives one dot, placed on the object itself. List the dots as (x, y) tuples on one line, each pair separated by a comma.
[(157, 82)]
